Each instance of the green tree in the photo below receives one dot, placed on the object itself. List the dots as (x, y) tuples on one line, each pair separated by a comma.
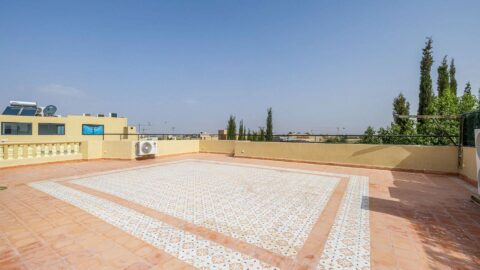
[(443, 83), (401, 107), (241, 131), (269, 132), (261, 136), (426, 95), (468, 101), (249, 135), (231, 128), (369, 136), (446, 105), (254, 136), (453, 81)]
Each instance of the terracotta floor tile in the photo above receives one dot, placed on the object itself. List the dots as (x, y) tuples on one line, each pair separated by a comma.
[(417, 221)]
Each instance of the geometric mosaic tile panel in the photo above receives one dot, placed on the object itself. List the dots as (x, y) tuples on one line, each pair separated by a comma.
[(267, 207), (201, 253), (348, 244)]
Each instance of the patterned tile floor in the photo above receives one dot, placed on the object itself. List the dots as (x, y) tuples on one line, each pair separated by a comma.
[(215, 212)]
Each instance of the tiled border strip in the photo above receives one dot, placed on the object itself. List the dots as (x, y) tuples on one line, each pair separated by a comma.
[(348, 244), (185, 246)]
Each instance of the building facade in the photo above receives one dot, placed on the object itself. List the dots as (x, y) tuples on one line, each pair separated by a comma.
[(18, 128)]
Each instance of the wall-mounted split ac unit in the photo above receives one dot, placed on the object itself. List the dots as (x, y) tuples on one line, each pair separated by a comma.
[(146, 148)]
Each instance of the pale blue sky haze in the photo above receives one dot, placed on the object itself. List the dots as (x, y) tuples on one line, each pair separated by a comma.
[(190, 64)]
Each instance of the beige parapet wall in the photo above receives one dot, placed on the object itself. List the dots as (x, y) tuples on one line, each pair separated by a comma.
[(215, 146), (469, 168), (442, 159), (174, 147), (407, 157), (127, 149), (119, 149)]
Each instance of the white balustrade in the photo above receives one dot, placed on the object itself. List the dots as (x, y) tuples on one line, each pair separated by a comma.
[(19, 151)]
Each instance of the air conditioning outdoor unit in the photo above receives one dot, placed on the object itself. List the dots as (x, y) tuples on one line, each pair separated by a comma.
[(146, 148)]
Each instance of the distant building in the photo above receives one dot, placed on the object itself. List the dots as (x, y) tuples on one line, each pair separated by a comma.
[(25, 122), (222, 134)]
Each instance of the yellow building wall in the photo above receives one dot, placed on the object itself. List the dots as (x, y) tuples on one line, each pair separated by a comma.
[(73, 128)]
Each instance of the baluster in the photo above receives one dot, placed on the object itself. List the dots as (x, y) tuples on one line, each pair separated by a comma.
[(1, 152), (20, 151), (69, 148), (29, 151), (46, 149), (61, 149), (76, 148), (53, 149), (38, 151), (10, 152)]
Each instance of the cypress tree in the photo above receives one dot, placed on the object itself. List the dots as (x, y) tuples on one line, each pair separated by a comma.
[(231, 128), (261, 137), (442, 80), (401, 107), (453, 81), (269, 132), (468, 88), (240, 131), (468, 102), (249, 135), (254, 136), (426, 93)]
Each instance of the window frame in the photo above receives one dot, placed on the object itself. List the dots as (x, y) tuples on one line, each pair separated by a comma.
[(56, 124), (27, 123), (98, 125)]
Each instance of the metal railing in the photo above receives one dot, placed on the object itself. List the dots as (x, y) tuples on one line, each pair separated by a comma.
[(298, 138)]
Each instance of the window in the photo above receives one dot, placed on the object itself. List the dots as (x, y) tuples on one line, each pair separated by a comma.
[(16, 128), (92, 129), (51, 129)]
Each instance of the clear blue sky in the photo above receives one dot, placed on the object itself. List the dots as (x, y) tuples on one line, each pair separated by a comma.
[(189, 64)]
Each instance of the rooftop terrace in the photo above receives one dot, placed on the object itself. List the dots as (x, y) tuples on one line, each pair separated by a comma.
[(215, 211)]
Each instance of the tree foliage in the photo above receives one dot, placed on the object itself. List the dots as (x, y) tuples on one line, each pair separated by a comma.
[(453, 80), (231, 128), (443, 82), (241, 131), (369, 136), (468, 102), (269, 131), (401, 107), (426, 95), (435, 131)]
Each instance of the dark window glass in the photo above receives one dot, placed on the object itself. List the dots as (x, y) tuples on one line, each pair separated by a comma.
[(51, 129), (16, 128), (92, 129), (11, 110), (29, 111)]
